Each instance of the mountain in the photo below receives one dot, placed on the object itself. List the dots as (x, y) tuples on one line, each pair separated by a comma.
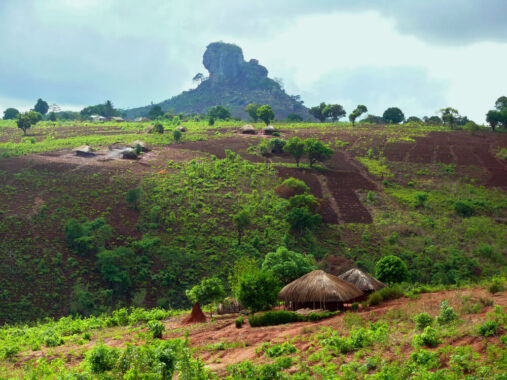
[(232, 83)]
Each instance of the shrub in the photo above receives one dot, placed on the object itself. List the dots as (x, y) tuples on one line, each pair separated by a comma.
[(496, 286), (464, 208), (488, 328), (307, 201), (290, 187), (276, 145), (158, 128), (447, 314), (374, 299), (278, 350), (138, 149), (272, 318), (177, 135), (425, 358), (287, 265), (312, 317), (354, 306), (423, 320), (8, 351), (239, 322), (359, 338), (428, 338), (391, 269), (102, 358), (420, 199), (258, 290), (156, 329), (385, 294), (50, 338)]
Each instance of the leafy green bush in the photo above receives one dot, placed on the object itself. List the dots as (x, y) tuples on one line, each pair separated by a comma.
[(447, 314), (271, 318), (288, 265), (177, 135), (280, 349), (425, 359), (276, 145), (497, 285), (156, 329), (359, 338), (423, 320), (464, 208), (239, 322), (157, 128), (50, 338), (102, 358), (292, 186), (312, 317), (385, 294), (429, 338), (391, 269), (488, 328), (258, 290)]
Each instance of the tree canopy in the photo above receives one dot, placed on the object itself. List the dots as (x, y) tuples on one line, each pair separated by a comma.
[(241, 221), (251, 110), (317, 151), (41, 107), (208, 291), (450, 116), (391, 269), (318, 112), (333, 111), (258, 290), (296, 148), (288, 265), (155, 112), (11, 114), (360, 109), (393, 115), (266, 114), (219, 112)]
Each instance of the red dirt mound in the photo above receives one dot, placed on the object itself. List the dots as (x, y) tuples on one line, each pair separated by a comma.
[(196, 316)]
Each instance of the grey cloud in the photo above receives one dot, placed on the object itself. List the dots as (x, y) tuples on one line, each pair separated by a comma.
[(408, 88)]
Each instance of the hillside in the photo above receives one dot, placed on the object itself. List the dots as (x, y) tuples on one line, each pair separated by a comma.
[(434, 197), (233, 83), (378, 342)]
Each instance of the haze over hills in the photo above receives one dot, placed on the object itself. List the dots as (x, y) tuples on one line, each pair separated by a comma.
[(232, 83)]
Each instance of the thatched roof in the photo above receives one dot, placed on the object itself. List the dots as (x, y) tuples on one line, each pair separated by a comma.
[(319, 286), (362, 280)]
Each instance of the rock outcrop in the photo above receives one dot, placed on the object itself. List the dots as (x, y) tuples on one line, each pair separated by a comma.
[(234, 83)]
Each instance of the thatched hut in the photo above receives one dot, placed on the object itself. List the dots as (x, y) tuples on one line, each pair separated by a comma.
[(248, 130), (84, 151), (318, 290), (269, 130), (361, 280)]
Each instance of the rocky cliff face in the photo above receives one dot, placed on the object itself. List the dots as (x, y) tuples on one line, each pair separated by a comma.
[(233, 83)]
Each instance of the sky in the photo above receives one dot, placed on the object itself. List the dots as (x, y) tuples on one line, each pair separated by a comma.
[(417, 55)]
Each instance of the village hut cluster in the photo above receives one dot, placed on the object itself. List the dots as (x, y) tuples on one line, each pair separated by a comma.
[(321, 290)]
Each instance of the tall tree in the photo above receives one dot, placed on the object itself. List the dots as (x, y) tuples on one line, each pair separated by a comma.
[(317, 151), (266, 114), (24, 122), (241, 221), (450, 116), (219, 112), (108, 109), (11, 114), (41, 107), (493, 117), (360, 109), (318, 112), (296, 148), (393, 115), (334, 111), (501, 103), (251, 110), (208, 291), (155, 112)]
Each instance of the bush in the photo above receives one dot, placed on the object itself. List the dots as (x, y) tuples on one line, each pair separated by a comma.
[(258, 290), (272, 318), (428, 338), (276, 145), (239, 322), (177, 135), (312, 317), (385, 294), (50, 338), (359, 338), (464, 208), (102, 358), (423, 320), (278, 350), (497, 285), (391, 269), (488, 328), (157, 128), (292, 186), (156, 329), (447, 314)]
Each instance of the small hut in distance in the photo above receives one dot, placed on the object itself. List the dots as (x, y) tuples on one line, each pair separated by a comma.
[(318, 290), (361, 280)]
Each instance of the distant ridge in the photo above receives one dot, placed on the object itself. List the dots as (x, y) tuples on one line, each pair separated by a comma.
[(233, 83)]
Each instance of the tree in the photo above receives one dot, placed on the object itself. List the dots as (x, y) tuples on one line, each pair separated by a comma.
[(318, 112), (296, 148), (373, 119), (208, 291), (393, 115), (300, 219), (11, 114), (391, 269), (450, 116), (251, 110), (114, 266), (317, 151), (266, 114), (52, 116), (155, 112), (241, 267), (24, 122), (432, 120), (241, 221), (288, 265), (493, 118), (134, 197), (360, 109), (333, 111), (177, 135), (413, 119), (294, 118), (199, 78), (109, 110), (41, 107), (258, 290), (501, 103), (219, 112)]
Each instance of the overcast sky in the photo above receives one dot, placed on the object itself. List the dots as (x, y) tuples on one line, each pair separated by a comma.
[(414, 54)]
